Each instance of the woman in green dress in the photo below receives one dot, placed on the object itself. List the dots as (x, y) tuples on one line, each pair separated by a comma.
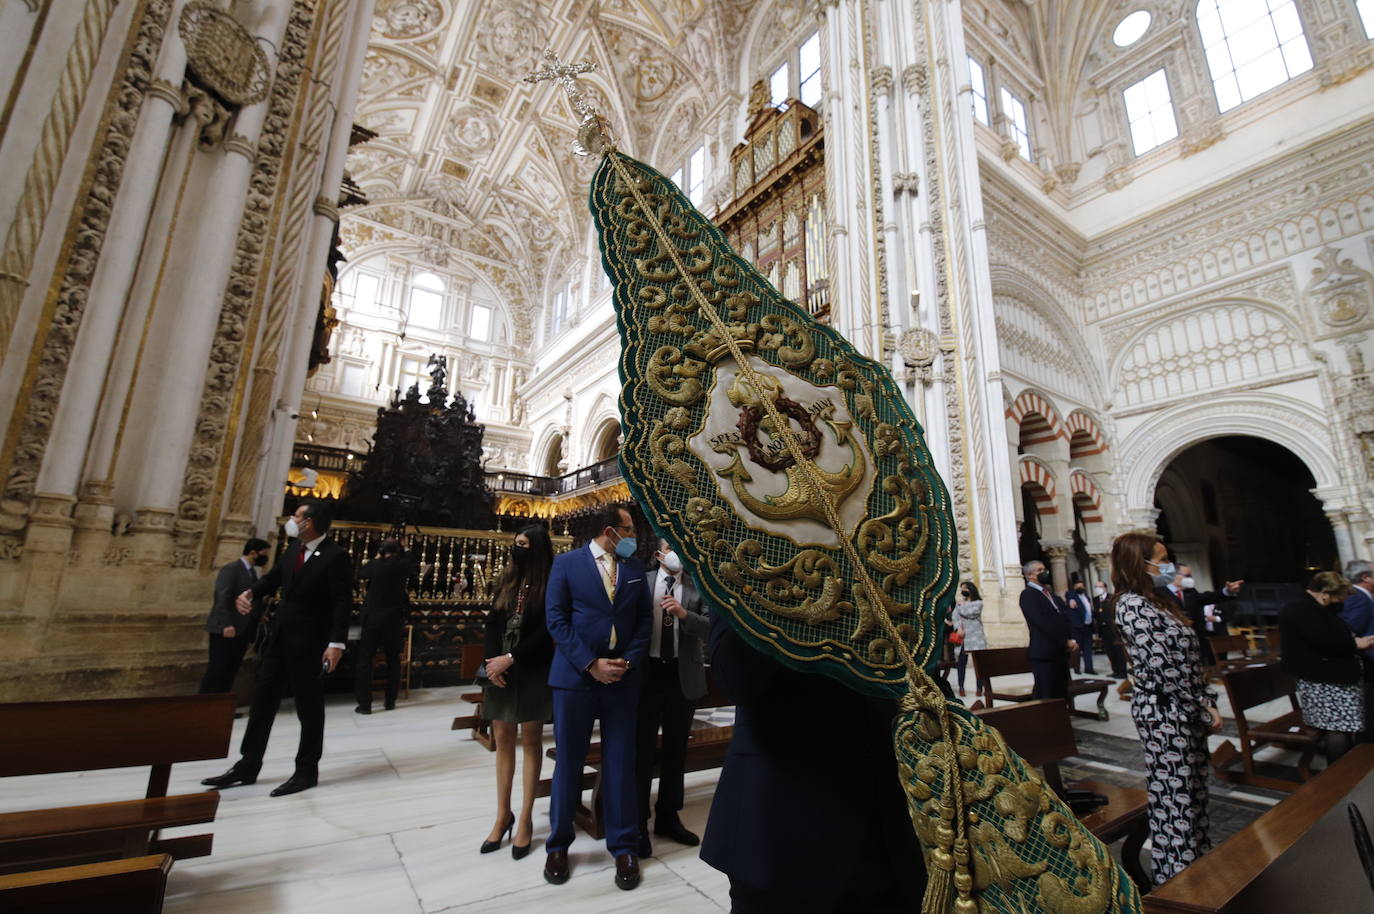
[(519, 652)]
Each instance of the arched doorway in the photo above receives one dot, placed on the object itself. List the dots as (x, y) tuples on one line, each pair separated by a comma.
[(553, 459), (607, 441), (1239, 506)]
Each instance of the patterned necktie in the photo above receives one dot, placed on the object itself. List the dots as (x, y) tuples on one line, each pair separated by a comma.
[(607, 566), (667, 648)]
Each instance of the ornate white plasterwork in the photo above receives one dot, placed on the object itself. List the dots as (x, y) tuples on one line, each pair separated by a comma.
[(1285, 420)]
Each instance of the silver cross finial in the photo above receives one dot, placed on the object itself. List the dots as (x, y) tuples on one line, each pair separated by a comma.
[(593, 132)]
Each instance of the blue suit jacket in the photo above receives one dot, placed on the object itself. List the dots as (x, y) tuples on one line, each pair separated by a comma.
[(1358, 613), (579, 616)]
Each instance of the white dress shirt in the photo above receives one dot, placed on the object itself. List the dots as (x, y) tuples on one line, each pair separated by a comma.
[(310, 548), (606, 565), (656, 636)]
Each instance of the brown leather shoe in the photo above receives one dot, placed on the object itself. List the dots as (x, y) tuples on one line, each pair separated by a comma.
[(626, 871), (556, 867)]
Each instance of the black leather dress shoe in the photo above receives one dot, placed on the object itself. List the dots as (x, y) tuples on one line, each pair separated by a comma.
[(676, 830), (362, 709), (556, 867), (389, 706), (646, 849), (231, 778), (294, 784), (626, 871)]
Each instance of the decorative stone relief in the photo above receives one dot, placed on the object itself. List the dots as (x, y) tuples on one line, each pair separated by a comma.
[(403, 19), (1339, 292), (512, 35), (1216, 346), (222, 54), (471, 130), (42, 398)]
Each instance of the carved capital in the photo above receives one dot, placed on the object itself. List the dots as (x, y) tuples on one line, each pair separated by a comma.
[(881, 78), (240, 144), (50, 510), (906, 182), (1058, 552), (326, 208), (915, 78), (171, 94)]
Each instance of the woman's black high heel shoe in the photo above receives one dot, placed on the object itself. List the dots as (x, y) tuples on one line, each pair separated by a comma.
[(489, 846), (519, 852)]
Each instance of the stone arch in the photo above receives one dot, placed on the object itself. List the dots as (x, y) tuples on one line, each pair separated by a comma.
[(1226, 342), (1038, 422), (1085, 435), (605, 440), (549, 452), (1086, 495), (1285, 420), (1040, 340), (1035, 474)]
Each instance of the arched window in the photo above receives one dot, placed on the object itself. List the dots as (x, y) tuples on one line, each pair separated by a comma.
[(798, 75), (1251, 46), (426, 300)]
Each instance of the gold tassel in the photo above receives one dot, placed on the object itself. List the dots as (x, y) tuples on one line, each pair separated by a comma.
[(939, 897)]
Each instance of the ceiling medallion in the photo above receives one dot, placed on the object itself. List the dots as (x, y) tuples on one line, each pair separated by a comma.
[(918, 347), (223, 55)]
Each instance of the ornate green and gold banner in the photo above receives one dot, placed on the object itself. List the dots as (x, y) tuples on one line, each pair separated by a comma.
[(714, 359), (790, 474)]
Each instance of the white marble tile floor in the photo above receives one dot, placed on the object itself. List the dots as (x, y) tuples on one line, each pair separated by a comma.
[(394, 825)]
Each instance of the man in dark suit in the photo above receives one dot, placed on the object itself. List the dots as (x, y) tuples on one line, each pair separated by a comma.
[(231, 633), (597, 606), (1051, 633), (315, 576), (1106, 625), (1358, 612), (801, 822), (674, 678), (1185, 591), (1081, 622), (383, 619)]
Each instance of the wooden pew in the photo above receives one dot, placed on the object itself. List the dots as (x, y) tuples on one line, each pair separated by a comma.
[(1008, 661), (134, 885), (1040, 732), (481, 727), (64, 736), (706, 748), (1249, 687), (1299, 856)]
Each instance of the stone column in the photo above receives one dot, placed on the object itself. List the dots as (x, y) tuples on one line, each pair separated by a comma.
[(1102, 567), (1345, 539), (1059, 565)]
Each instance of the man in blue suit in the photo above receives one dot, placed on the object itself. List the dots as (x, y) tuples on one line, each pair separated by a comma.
[(598, 612), (1051, 633)]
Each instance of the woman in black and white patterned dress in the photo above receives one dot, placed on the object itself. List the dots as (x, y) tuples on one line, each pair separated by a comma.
[(1321, 653), (1170, 702)]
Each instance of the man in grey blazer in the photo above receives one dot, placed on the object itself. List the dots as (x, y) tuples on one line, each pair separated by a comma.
[(231, 632), (675, 678)]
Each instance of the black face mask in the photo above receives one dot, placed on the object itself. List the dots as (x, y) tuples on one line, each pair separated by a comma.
[(1043, 579), (260, 559), (519, 554)]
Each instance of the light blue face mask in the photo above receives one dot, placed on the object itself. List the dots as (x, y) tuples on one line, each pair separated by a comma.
[(626, 547)]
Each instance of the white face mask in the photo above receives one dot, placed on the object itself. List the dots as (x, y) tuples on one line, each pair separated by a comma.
[(1189, 583), (671, 562), (293, 529)]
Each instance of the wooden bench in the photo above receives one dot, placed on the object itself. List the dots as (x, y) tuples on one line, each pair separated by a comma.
[(1250, 687), (481, 727), (1008, 661), (63, 736), (707, 745), (134, 885), (1040, 732), (1299, 856)]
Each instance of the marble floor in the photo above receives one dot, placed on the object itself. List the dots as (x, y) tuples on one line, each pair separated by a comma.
[(404, 802)]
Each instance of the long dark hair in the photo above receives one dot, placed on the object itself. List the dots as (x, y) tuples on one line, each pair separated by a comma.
[(970, 591), (534, 572), (1130, 552)]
